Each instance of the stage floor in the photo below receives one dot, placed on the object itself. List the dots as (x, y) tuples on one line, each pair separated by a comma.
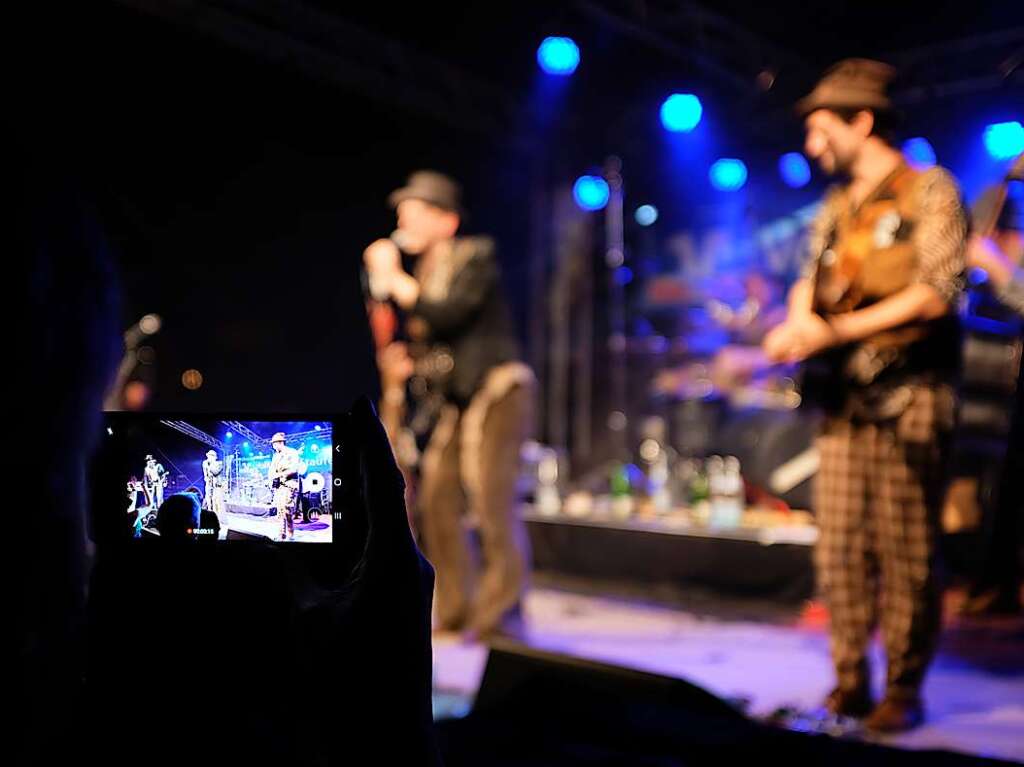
[(270, 527), (974, 693)]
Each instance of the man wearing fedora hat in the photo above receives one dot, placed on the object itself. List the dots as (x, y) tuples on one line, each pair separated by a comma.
[(216, 481), (283, 475), (457, 311), (875, 306)]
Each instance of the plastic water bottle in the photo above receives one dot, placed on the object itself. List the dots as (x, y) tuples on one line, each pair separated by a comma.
[(656, 457), (727, 497)]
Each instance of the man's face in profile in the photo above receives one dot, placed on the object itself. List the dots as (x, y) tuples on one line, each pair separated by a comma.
[(423, 225), (833, 142)]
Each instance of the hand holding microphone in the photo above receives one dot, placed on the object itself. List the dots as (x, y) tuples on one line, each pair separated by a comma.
[(383, 260)]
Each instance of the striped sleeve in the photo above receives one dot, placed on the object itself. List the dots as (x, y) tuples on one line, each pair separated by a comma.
[(940, 236), (818, 231)]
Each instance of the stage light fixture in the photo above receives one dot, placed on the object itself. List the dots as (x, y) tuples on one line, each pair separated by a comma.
[(591, 192), (558, 56), (1004, 140), (728, 174), (919, 152), (681, 112), (646, 215), (794, 170)]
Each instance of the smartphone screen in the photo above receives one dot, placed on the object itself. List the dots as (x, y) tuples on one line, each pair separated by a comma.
[(218, 478)]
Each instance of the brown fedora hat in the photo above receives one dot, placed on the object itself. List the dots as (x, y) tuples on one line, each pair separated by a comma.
[(851, 84)]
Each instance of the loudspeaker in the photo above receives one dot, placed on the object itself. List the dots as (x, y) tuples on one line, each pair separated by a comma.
[(239, 535), (518, 676)]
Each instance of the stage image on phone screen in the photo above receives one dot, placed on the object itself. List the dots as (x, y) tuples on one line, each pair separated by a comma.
[(266, 479)]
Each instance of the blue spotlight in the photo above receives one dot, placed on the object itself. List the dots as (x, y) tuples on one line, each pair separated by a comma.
[(681, 112), (229, 435), (1004, 140), (245, 445), (728, 175), (646, 215), (623, 275), (317, 427), (919, 152), (558, 55), (591, 192), (794, 169)]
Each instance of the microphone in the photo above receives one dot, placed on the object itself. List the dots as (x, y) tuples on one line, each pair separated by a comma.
[(146, 326), (401, 239)]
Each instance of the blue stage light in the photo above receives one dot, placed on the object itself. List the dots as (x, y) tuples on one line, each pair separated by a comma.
[(646, 215), (1004, 140), (623, 275), (794, 169), (558, 55), (728, 175), (681, 112), (317, 427), (245, 445), (229, 435), (591, 192), (919, 152), (977, 276)]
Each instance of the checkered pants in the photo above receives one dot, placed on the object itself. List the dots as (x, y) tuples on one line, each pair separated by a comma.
[(877, 497), (284, 501)]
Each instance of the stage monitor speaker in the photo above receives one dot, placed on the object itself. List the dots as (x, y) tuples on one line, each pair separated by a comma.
[(518, 678), (238, 535)]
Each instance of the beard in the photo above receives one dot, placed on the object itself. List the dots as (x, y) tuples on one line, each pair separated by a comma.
[(834, 164)]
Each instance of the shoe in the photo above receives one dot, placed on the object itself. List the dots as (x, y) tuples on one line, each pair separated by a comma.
[(855, 703), (896, 714)]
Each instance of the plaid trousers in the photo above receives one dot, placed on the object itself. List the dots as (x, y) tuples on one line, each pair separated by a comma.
[(284, 501), (877, 497)]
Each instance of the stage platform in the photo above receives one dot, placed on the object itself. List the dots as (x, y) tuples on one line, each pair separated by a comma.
[(270, 527), (769, 556), (768, 657)]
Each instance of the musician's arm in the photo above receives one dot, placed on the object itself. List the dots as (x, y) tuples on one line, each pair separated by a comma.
[(392, 412), (801, 298), (1006, 277), (405, 290), (914, 303), (468, 292), (469, 289)]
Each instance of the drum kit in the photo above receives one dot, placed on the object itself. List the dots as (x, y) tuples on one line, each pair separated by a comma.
[(252, 489)]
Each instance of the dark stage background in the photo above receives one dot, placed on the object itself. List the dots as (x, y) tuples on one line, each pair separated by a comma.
[(238, 195)]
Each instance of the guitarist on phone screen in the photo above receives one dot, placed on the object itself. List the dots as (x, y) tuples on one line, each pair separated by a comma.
[(283, 475), (876, 306)]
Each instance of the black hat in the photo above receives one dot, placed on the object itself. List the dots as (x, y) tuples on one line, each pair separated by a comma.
[(432, 187)]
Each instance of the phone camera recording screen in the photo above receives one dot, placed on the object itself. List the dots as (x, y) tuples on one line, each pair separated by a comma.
[(214, 479)]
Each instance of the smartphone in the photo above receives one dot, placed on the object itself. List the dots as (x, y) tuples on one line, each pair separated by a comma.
[(220, 478)]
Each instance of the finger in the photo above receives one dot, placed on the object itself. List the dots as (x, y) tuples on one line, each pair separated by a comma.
[(383, 484)]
